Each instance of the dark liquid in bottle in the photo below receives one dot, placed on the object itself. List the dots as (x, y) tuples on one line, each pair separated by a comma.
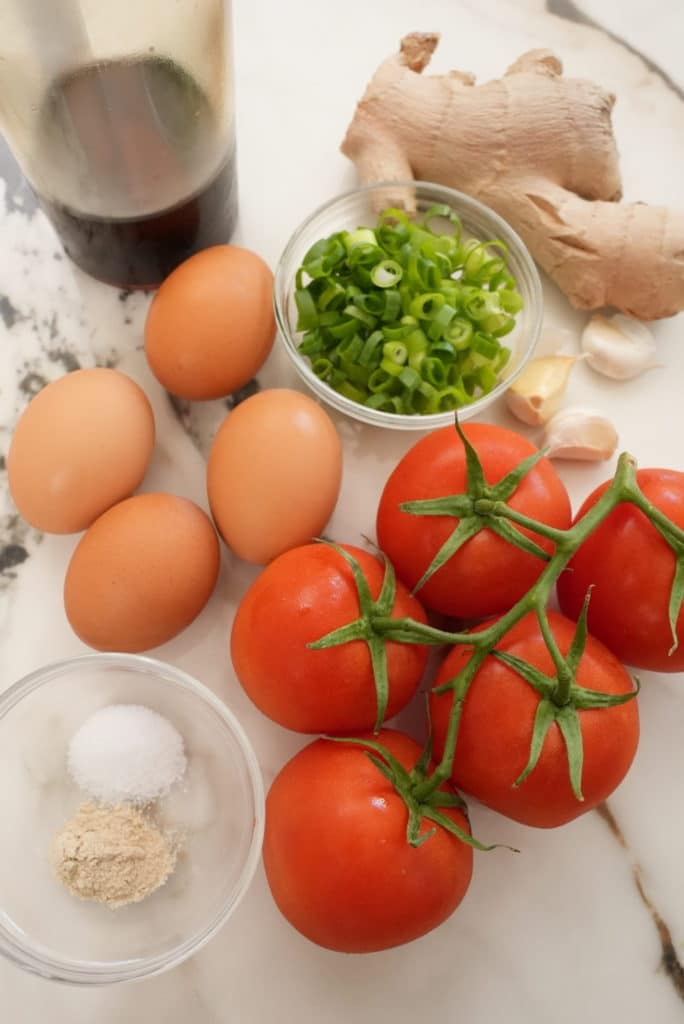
[(141, 172)]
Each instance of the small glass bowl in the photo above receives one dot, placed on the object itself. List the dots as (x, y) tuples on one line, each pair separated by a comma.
[(218, 811), (359, 208)]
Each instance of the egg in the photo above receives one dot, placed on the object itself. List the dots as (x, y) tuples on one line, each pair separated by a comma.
[(274, 474), (141, 573), (211, 325), (83, 443)]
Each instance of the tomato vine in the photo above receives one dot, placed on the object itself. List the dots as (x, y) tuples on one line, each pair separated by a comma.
[(485, 506)]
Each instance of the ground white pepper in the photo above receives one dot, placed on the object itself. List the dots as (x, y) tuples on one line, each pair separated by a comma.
[(113, 855)]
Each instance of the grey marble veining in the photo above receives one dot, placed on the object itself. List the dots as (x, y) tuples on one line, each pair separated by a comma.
[(590, 14)]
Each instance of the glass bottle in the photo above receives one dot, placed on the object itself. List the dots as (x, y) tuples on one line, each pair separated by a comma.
[(121, 116)]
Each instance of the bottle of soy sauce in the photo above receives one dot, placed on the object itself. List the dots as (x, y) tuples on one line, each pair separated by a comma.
[(127, 132)]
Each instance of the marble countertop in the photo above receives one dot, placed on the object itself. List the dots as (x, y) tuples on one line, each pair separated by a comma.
[(587, 924)]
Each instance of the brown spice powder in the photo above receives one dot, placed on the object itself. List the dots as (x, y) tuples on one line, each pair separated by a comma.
[(113, 855)]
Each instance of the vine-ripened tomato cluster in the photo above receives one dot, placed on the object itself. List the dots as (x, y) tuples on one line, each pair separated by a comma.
[(367, 842)]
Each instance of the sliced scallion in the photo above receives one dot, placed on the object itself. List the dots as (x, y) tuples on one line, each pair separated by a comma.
[(408, 316)]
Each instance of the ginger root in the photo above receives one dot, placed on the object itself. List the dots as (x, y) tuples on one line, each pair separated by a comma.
[(537, 148)]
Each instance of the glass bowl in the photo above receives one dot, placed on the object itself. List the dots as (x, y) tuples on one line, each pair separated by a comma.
[(218, 809), (359, 208)]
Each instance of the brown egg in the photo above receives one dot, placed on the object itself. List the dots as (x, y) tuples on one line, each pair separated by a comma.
[(83, 444), (274, 474), (141, 573), (211, 325)]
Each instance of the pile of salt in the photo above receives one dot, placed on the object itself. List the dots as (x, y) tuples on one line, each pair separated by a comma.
[(126, 753)]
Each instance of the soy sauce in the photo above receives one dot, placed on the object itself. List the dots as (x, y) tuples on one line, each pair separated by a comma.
[(141, 169)]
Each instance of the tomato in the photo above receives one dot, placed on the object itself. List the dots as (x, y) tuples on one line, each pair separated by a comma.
[(300, 597), (336, 856), (495, 732), (631, 568), (488, 574)]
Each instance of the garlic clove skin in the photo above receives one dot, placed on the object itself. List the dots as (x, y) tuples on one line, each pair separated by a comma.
[(580, 433), (619, 346), (535, 395)]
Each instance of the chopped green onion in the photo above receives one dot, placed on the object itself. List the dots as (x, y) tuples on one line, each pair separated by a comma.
[(380, 380), (441, 321), (322, 368), (443, 211), (427, 306), (385, 403), (510, 300), (423, 398), (306, 309), (398, 333), (360, 314), (406, 317), (386, 273), (373, 303), (409, 379), (486, 378), (392, 304), (343, 329), (434, 371), (459, 332), (350, 348), (312, 344), (371, 346), (331, 297), (395, 351), (487, 347), (417, 347), (391, 238), (451, 398), (498, 324), (362, 236), (444, 350), (349, 391), (480, 305), (394, 216), (501, 359)]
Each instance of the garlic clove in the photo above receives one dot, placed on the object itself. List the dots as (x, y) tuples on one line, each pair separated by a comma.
[(557, 340), (579, 433), (535, 395), (619, 346)]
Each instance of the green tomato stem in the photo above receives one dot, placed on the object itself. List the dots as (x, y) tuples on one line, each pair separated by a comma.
[(442, 772), (623, 487), (563, 673), (484, 506), (410, 631), (500, 508)]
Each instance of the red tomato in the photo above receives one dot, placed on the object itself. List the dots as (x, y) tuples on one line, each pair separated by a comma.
[(631, 567), (300, 597), (495, 732), (336, 856), (488, 574)]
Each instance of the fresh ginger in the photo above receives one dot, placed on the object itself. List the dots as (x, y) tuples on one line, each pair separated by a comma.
[(537, 148)]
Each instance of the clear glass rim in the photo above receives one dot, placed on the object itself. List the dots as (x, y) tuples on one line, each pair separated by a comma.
[(374, 417), (42, 962)]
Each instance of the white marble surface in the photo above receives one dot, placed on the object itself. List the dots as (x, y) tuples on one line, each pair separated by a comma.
[(587, 924)]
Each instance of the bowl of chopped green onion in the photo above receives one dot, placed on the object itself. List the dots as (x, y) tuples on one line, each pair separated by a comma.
[(399, 303)]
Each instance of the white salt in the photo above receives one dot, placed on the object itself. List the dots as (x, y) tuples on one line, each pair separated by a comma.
[(126, 753)]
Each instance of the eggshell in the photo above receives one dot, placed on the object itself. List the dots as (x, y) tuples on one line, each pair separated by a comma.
[(141, 573), (274, 474), (211, 325), (82, 444)]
